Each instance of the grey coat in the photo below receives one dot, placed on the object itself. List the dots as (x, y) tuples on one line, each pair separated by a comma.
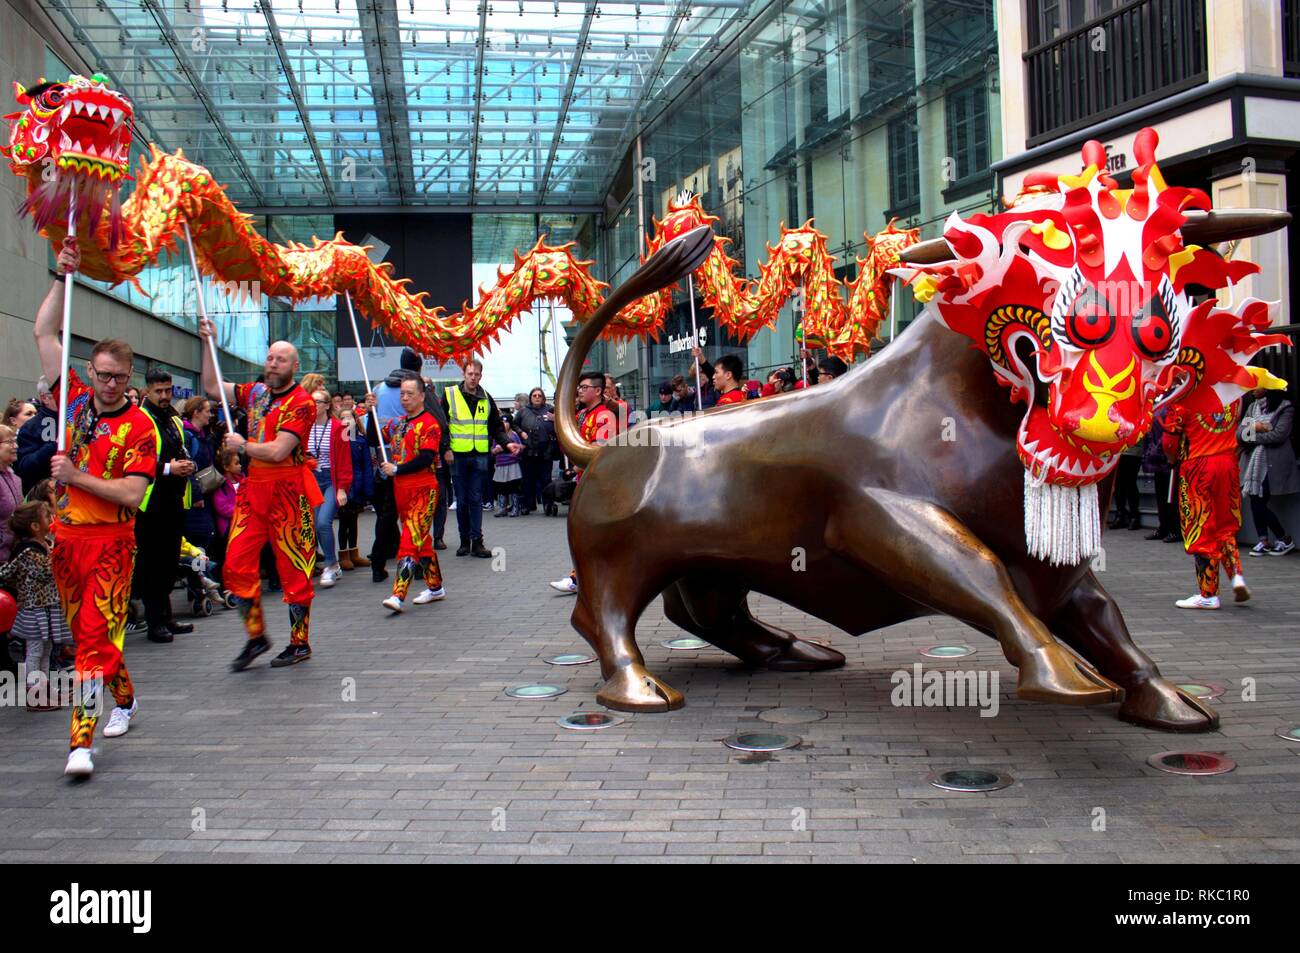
[(1282, 474)]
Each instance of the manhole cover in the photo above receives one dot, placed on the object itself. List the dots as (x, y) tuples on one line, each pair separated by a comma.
[(535, 691), (761, 741), (1192, 763), (947, 651), (589, 721), (791, 716), (969, 780), (572, 658), (687, 643), (1289, 734), (1202, 690)]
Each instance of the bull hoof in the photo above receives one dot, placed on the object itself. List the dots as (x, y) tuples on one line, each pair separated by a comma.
[(1052, 674), (634, 689), (801, 656), (1157, 704)]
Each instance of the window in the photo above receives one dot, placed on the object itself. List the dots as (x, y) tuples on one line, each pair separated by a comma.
[(904, 175), (968, 130), (1048, 19)]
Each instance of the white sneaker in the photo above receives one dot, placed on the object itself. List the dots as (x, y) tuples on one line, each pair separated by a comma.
[(451, 505), (1198, 601), (209, 584), (567, 585), (330, 576), (1240, 591), (119, 721), (80, 764), (1260, 548), (430, 595), (393, 603), (1281, 548)]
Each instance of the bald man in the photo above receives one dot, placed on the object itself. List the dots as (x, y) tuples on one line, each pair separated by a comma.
[(274, 504)]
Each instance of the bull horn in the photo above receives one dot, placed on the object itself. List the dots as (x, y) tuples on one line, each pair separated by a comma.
[(1230, 224), (929, 252)]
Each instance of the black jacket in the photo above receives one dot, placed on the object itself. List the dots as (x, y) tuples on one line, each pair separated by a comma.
[(541, 433), (496, 432), (168, 490), (37, 440)]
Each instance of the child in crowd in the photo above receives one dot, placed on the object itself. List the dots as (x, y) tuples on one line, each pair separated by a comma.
[(223, 506), (508, 475), (40, 622)]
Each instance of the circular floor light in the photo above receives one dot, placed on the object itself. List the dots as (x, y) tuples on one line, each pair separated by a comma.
[(687, 643), (535, 691), (948, 651), (570, 658), (1192, 763), (1205, 691), (761, 741), (589, 721), (969, 780), (1289, 734)]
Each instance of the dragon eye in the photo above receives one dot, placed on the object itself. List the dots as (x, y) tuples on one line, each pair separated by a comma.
[(1089, 322), (1153, 331)]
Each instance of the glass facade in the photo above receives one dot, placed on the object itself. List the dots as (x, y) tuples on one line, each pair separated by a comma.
[(848, 113)]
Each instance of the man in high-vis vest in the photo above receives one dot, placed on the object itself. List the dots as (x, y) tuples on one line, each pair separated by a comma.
[(475, 425)]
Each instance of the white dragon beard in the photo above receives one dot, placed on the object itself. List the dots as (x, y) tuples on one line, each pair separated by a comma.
[(1062, 523)]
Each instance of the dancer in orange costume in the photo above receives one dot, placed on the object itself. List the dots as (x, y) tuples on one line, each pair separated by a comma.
[(1209, 498), (598, 421), (275, 503), (413, 463), (103, 478)]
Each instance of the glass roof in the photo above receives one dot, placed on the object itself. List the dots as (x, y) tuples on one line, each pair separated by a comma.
[(397, 102)]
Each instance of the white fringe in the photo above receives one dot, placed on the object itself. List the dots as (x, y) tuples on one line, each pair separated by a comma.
[(1062, 523)]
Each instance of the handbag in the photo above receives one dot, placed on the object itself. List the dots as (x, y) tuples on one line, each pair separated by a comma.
[(208, 479)]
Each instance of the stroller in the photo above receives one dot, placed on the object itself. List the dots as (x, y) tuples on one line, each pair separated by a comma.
[(202, 592), (557, 492)]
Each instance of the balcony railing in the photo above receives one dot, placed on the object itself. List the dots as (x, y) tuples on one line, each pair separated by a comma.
[(1135, 55)]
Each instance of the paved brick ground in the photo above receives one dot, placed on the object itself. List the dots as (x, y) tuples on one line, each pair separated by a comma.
[(432, 762)]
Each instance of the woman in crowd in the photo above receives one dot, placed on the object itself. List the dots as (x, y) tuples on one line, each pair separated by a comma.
[(11, 487), (536, 426), (1268, 466), (332, 455), (17, 413), (363, 483), (200, 444), (1157, 464), (133, 395), (40, 623)]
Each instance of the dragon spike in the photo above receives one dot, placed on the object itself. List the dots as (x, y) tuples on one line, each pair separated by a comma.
[(20, 94)]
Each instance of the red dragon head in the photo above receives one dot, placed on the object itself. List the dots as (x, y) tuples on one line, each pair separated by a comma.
[(1082, 296), (73, 138)]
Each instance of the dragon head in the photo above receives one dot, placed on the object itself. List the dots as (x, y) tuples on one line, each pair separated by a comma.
[(81, 125), (1085, 298)]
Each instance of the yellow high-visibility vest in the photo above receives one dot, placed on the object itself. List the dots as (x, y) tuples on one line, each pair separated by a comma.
[(469, 431)]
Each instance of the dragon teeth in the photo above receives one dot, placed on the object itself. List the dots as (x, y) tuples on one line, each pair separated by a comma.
[(65, 141), (117, 116)]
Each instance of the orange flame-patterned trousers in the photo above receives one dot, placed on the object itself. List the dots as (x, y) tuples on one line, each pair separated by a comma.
[(92, 569), (277, 511), (416, 498), (1209, 509)]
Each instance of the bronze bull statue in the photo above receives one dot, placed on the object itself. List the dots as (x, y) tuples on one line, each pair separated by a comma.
[(854, 479)]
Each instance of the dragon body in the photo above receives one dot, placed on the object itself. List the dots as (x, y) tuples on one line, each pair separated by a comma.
[(71, 144)]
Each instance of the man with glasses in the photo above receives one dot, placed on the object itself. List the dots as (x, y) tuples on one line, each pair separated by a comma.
[(598, 422), (275, 503), (161, 521), (103, 478)]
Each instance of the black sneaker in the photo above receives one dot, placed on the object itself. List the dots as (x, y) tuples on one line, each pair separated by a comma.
[(292, 656), (463, 550), (251, 650), (377, 572), (479, 550), (439, 544), (179, 628), (160, 635), (134, 627)]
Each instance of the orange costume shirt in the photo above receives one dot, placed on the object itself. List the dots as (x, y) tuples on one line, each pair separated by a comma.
[(108, 446), (1202, 435), (270, 414), (407, 437)]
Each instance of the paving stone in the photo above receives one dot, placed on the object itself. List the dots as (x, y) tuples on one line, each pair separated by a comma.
[(433, 764)]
